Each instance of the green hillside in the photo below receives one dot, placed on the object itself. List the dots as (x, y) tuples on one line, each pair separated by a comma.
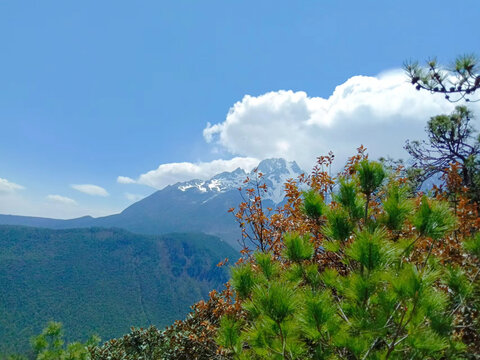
[(100, 281)]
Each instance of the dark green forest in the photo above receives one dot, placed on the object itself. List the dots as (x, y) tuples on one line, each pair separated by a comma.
[(100, 281)]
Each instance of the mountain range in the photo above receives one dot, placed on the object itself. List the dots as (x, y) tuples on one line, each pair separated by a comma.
[(191, 206)]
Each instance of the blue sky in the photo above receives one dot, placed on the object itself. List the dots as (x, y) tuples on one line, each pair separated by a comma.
[(93, 90)]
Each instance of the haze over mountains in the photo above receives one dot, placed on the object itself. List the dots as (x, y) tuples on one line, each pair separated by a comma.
[(195, 205)]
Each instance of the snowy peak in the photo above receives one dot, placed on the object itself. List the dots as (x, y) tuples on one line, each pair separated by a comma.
[(279, 169), (278, 166), (230, 175), (275, 173), (219, 183)]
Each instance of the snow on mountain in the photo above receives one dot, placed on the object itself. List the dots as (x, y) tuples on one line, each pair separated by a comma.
[(275, 173), (192, 184)]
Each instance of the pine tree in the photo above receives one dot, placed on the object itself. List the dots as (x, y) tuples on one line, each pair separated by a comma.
[(456, 82), (451, 140), (50, 345), (359, 278)]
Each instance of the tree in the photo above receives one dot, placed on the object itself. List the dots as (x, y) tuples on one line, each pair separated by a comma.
[(50, 345), (457, 82), (451, 139), (144, 344), (342, 285)]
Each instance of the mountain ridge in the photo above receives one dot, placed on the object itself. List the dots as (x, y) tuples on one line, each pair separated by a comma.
[(195, 205)]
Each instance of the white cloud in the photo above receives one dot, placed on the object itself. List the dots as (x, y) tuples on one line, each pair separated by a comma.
[(134, 197), (379, 112), (28, 205), (9, 187), (168, 174), (90, 189), (125, 180), (61, 199)]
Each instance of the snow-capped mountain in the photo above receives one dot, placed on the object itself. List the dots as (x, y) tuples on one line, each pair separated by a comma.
[(219, 183), (275, 172), (191, 206)]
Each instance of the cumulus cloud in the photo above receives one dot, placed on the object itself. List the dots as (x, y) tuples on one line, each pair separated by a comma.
[(61, 199), (90, 189), (379, 112), (25, 205), (171, 173), (9, 187), (125, 180)]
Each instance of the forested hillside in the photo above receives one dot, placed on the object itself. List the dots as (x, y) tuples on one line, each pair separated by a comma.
[(100, 281)]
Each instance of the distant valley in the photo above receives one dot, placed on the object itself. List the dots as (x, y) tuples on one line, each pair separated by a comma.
[(101, 281)]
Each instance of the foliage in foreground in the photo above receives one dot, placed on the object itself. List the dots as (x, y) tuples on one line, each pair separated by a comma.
[(50, 345), (377, 273)]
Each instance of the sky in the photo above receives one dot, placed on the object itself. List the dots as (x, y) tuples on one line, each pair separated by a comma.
[(104, 102)]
